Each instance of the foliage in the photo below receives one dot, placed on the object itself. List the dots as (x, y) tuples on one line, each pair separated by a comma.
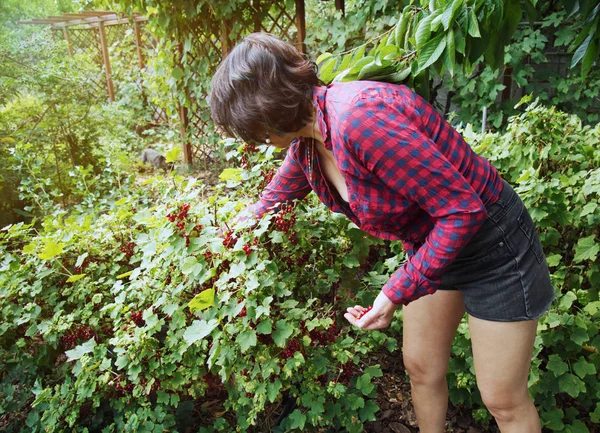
[(586, 46), (327, 30), (52, 127), (555, 165), (428, 40), (530, 69), (141, 318)]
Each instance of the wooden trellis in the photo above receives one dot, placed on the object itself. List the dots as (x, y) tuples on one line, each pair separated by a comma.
[(95, 32), (90, 32), (284, 18)]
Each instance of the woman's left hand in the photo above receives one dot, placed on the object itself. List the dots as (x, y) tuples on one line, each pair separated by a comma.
[(379, 317)]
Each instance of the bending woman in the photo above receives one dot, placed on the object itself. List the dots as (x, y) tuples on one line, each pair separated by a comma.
[(382, 156)]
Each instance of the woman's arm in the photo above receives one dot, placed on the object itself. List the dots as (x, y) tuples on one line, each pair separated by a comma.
[(288, 183), (385, 139)]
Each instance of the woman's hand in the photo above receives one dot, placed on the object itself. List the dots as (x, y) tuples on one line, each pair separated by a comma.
[(379, 317)]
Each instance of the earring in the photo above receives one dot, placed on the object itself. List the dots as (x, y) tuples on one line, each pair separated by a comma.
[(267, 139)]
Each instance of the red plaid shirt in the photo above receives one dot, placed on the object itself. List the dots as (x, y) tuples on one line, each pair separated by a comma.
[(410, 177)]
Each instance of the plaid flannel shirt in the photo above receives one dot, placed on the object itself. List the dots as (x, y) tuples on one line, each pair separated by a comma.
[(410, 176)]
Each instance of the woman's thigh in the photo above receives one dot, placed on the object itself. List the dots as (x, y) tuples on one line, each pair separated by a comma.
[(429, 325), (502, 354)]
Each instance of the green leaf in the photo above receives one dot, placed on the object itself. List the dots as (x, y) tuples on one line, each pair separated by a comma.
[(29, 248), (173, 154), (374, 371), (567, 300), (273, 389), (124, 275), (191, 266), (363, 384), (351, 261), (583, 368), (82, 349), (368, 412), (236, 270), (557, 366), (282, 332), (76, 277), (323, 57), (553, 260), (177, 73), (297, 420), (450, 12), (589, 58), (553, 419), (577, 427), (264, 327), (473, 25), (202, 300), (431, 52), (233, 174), (246, 340), (571, 384), (581, 50), (587, 249), (423, 31), (356, 402), (198, 330), (326, 72), (51, 250)]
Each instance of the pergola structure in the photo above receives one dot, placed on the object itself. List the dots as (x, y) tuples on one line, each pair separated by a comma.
[(95, 24), (95, 31)]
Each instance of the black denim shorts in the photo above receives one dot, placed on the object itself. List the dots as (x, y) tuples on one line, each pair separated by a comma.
[(502, 272)]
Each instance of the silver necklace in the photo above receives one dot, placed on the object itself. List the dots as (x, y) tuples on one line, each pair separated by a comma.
[(310, 156)]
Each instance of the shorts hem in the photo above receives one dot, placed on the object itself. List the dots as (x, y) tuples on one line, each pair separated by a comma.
[(516, 319)]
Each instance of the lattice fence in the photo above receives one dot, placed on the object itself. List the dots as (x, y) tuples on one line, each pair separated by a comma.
[(119, 46), (279, 18), (86, 42)]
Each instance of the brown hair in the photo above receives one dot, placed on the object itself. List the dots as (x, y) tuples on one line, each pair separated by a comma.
[(263, 85)]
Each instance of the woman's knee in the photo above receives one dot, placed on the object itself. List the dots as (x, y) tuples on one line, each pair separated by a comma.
[(504, 403), (422, 371)]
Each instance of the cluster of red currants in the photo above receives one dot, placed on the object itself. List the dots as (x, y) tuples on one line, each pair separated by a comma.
[(365, 311), (347, 372), (318, 338), (248, 148), (180, 217), (76, 335), (121, 388), (267, 177), (136, 317), (127, 249), (230, 239), (292, 347), (285, 220)]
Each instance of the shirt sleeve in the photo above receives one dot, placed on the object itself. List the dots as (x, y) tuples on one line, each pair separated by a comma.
[(387, 141), (288, 183)]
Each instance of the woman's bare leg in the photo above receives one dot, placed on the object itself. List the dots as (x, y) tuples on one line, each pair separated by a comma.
[(502, 356), (428, 331)]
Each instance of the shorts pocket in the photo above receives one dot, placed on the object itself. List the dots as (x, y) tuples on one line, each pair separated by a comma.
[(528, 229), (467, 257)]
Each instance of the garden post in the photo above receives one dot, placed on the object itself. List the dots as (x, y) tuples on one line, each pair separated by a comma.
[(138, 44), (68, 39), (106, 59), (301, 24)]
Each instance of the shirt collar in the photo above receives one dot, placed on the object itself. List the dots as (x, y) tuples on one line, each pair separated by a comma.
[(319, 95)]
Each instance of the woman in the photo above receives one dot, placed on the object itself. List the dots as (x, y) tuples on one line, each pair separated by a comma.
[(381, 155)]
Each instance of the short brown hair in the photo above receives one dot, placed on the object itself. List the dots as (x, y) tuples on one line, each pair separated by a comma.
[(263, 85)]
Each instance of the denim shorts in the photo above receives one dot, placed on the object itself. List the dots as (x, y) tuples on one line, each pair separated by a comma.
[(502, 272)]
